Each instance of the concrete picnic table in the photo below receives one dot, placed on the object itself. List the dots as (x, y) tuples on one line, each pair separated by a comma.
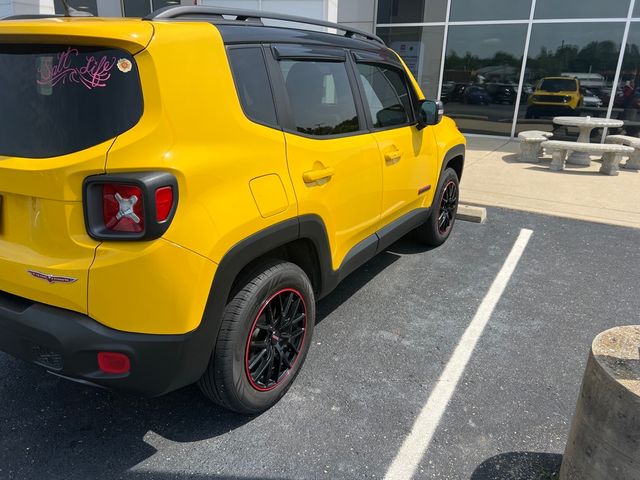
[(585, 126)]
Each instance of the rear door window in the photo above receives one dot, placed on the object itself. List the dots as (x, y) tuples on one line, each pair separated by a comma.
[(55, 100), (320, 96)]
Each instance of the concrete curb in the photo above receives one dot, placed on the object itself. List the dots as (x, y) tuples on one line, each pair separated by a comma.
[(471, 213)]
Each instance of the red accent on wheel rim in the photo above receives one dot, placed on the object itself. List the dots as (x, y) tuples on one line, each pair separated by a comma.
[(277, 340), (448, 207)]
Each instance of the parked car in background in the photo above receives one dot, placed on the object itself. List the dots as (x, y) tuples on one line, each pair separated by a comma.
[(453, 92), (502, 92), (555, 96), (476, 95), (590, 99)]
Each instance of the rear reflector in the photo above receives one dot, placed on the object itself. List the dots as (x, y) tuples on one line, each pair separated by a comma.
[(164, 202), (122, 208), (113, 362)]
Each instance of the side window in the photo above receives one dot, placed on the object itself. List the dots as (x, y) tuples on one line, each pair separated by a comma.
[(387, 95), (320, 96), (252, 83)]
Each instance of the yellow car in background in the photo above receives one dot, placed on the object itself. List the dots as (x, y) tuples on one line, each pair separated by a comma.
[(555, 96), (176, 192)]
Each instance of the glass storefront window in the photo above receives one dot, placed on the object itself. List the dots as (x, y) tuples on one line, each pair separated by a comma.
[(626, 105), (411, 11), (481, 75), (570, 71), (470, 10), (421, 50), (582, 9), (87, 6)]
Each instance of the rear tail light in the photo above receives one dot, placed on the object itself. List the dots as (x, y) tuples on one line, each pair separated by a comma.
[(113, 362), (164, 202), (131, 206), (122, 208)]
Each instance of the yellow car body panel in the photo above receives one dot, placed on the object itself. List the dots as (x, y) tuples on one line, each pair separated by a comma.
[(235, 180)]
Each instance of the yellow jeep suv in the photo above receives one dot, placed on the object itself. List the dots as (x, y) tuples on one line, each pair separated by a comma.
[(178, 191), (555, 96)]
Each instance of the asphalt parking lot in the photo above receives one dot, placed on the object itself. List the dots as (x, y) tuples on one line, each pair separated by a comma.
[(383, 340)]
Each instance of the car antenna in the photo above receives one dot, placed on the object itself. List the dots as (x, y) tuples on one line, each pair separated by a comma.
[(65, 6)]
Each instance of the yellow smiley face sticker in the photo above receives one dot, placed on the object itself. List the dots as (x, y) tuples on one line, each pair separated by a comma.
[(124, 65)]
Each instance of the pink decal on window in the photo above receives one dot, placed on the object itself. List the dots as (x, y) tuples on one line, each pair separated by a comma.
[(93, 74)]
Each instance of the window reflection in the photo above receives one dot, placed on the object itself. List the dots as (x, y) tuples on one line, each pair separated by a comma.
[(570, 71), (85, 6), (411, 11), (582, 9), (482, 71), (627, 100), (467, 10), (421, 50)]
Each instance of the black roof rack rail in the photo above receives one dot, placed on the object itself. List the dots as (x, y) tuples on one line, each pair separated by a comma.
[(250, 16), (33, 16)]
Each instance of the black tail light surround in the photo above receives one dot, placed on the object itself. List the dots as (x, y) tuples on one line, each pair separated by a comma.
[(129, 206)]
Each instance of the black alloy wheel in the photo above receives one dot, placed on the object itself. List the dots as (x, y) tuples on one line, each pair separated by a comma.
[(274, 342)]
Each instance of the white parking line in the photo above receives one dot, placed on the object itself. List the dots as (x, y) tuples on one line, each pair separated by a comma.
[(415, 445)]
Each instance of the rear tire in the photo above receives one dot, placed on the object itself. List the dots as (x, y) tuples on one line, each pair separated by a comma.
[(435, 231), (264, 338)]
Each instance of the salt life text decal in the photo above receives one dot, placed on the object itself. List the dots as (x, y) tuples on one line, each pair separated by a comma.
[(94, 73)]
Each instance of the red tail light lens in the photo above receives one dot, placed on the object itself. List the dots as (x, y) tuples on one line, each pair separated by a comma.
[(164, 202), (113, 362), (129, 206), (122, 208)]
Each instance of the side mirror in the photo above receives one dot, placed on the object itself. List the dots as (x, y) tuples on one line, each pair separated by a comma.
[(430, 113)]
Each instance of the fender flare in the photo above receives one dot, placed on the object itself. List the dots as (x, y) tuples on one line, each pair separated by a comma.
[(310, 227), (455, 151)]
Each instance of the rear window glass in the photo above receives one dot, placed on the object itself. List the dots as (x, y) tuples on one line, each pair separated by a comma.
[(56, 100)]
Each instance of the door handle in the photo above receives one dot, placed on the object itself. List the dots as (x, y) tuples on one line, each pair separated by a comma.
[(393, 157), (314, 175)]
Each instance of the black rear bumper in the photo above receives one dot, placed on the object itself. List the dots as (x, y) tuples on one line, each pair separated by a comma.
[(67, 343)]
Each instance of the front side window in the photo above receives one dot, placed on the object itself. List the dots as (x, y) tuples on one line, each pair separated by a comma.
[(252, 83), (387, 95), (320, 97)]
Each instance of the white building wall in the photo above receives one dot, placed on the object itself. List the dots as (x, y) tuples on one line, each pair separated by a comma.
[(25, 7), (358, 14), (320, 9), (6, 8)]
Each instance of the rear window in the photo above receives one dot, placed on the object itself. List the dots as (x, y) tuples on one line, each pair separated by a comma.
[(56, 100)]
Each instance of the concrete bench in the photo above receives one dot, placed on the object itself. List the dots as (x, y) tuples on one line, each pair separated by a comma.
[(633, 163), (611, 154), (530, 142)]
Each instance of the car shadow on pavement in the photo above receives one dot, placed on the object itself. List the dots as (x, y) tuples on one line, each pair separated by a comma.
[(353, 283), (519, 466), (54, 428)]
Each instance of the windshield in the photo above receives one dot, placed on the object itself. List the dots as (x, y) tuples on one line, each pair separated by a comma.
[(56, 100), (558, 85)]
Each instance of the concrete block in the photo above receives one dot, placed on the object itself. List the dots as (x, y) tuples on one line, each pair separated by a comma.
[(470, 213)]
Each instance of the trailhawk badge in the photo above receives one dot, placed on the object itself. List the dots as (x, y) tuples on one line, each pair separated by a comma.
[(51, 278)]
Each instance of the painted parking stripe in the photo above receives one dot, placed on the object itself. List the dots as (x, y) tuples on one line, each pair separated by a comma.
[(417, 442)]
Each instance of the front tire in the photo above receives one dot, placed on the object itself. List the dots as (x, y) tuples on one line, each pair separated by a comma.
[(436, 230), (263, 341)]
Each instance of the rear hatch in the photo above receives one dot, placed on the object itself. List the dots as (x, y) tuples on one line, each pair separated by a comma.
[(68, 88)]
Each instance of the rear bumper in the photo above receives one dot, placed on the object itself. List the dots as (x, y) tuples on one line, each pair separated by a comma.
[(66, 343)]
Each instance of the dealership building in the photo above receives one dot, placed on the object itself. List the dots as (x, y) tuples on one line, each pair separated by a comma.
[(491, 61)]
